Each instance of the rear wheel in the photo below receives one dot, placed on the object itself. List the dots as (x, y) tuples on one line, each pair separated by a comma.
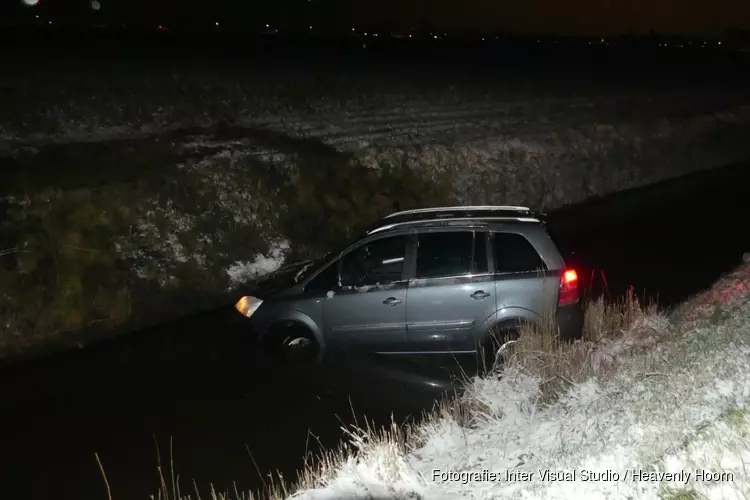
[(292, 343), (489, 359)]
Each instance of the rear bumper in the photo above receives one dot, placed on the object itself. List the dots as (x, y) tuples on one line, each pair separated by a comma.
[(569, 321)]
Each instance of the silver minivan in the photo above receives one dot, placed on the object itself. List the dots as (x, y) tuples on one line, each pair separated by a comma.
[(447, 280)]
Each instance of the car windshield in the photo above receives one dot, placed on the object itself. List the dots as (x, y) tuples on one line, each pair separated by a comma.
[(314, 265), (310, 267)]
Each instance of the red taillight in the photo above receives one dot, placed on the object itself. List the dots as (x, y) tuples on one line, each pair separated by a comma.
[(570, 276), (568, 288)]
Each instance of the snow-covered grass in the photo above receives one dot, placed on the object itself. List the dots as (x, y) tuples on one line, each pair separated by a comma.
[(669, 420), (462, 156)]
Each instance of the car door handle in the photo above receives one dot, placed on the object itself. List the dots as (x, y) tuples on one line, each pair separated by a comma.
[(391, 301), (479, 295)]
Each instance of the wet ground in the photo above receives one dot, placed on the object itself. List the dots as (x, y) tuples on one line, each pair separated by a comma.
[(230, 412)]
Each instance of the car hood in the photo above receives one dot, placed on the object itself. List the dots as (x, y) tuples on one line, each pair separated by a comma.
[(283, 278)]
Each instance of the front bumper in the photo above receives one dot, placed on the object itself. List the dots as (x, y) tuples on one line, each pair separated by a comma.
[(243, 327), (569, 320)]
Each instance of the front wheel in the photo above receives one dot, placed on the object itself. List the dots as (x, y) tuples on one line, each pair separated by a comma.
[(294, 345)]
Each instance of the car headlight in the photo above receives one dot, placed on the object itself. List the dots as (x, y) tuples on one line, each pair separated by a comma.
[(247, 305)]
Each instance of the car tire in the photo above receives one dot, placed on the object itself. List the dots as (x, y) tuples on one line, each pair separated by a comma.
[(487, 359), (294, 344)]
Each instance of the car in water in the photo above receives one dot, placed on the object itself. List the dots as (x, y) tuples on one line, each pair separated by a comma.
[(446, 280)]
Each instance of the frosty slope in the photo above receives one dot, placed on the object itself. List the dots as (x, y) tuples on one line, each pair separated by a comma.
[(667, 422)]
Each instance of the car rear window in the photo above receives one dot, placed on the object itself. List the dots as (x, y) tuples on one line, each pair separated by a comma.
[(513, 253)]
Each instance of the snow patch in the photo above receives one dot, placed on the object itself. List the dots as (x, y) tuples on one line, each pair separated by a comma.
[(243, 271), (378, 471)]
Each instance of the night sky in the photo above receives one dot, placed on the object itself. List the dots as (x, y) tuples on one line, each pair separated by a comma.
[(568, 17), (592, 17)]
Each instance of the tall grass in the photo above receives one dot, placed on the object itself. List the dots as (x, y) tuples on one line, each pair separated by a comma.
[(560, 364)]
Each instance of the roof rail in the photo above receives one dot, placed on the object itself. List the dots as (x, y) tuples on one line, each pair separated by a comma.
[(509, 208), (386, 227)]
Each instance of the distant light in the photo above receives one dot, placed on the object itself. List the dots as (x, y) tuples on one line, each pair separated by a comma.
[(482, 38), (30, 3), (37, 16), (95, 5), (435, 37), (365, 33), (353, 29), (268, 25), (374, 34), (216, 23), (49, 22), (719, 43), (409, 36), (310, 27)]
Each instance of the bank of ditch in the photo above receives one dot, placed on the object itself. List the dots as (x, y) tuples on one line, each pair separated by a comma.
[(98, 238)]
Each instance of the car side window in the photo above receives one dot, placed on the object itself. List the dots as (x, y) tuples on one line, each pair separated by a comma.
[(378, 262), (513, 253), (443, 254)]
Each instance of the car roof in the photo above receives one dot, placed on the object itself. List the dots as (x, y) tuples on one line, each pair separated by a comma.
[(448, 216)]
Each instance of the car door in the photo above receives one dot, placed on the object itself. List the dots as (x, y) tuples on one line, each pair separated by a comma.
[(367, 307), (452, 292)]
